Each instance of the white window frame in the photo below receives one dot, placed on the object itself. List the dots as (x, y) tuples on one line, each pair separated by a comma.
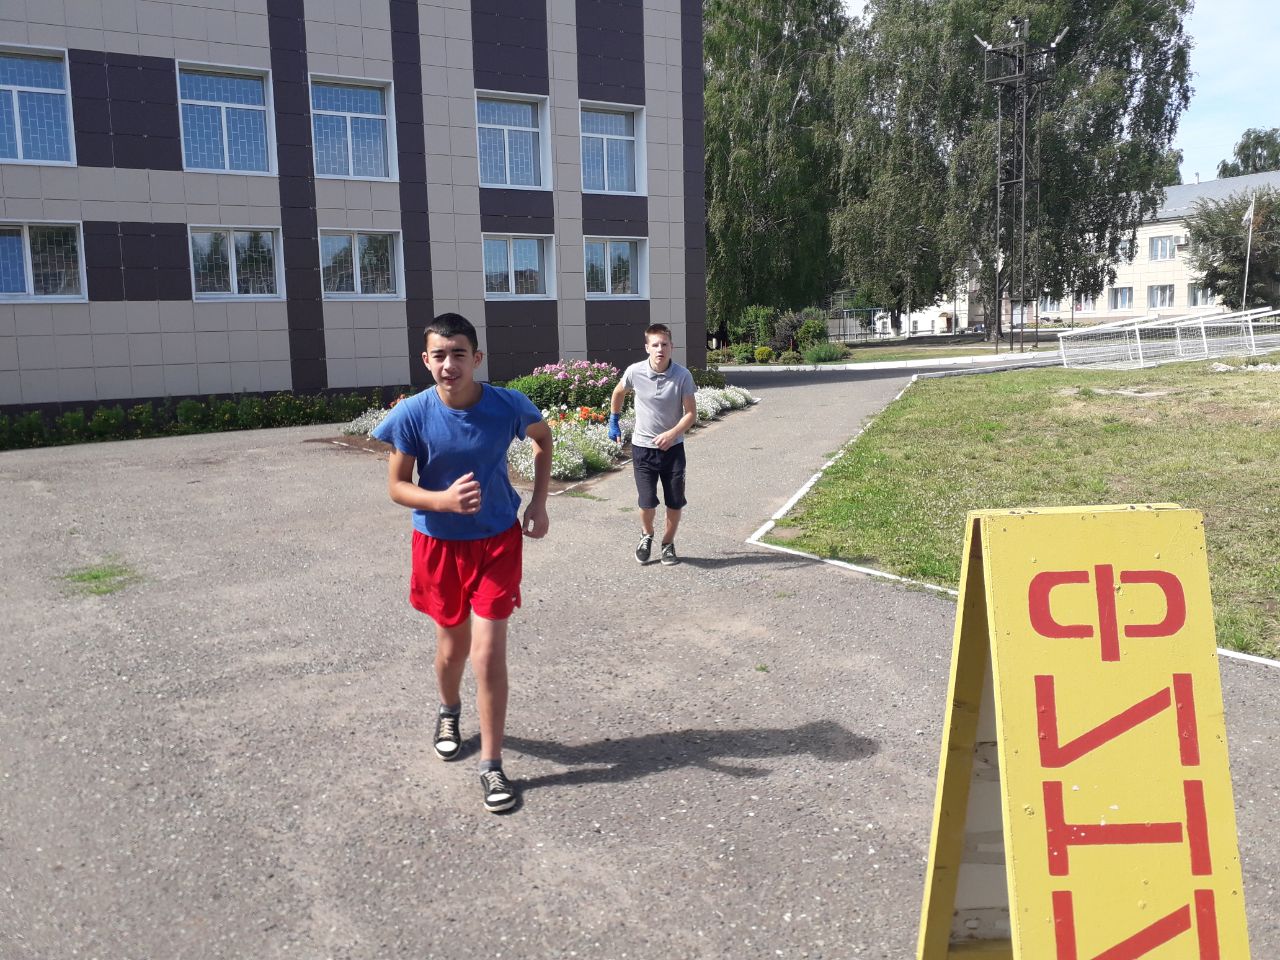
[(640, 154), (1152, 296), (277, 246), (268, 106), (397, 251), (44, 53), (546, 167), (1049, 305), (641, 267), (30, 296), (1164, 244), (548, 265), (1113, 298), (1199, 295), (388, 101)]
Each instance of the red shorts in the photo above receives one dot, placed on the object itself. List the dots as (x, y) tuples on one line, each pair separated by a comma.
[(453, 577)]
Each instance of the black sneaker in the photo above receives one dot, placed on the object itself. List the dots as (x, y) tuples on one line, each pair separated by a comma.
[(644, 548), (499, 795), (669, 554), (448, 739)]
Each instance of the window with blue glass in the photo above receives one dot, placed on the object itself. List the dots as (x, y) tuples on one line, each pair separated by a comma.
[(510, 142), (608, 150), (39, 260), (35, 121), (349, 128), (358, 264), (614, 268), (224, 121)]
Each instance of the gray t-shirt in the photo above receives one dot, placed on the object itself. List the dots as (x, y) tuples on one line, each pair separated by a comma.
[(659, 399)]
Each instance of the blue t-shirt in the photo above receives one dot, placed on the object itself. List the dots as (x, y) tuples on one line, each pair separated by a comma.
[(448, 443)]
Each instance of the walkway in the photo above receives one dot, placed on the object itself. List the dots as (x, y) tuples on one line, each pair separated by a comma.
[(733, 757)]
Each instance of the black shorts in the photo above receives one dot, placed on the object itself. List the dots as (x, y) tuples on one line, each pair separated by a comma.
[(652, 465)]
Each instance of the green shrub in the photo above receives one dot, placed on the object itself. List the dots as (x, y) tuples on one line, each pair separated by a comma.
[(223, 414), (107, 423), (570, 383), (754, 325), (722, 355), (764, 354), (251, 413), (784, 332), (811, 331), (743, 353), (142, 420), (541, 388), (707, 378), (285, 410), (347, 406), (72, 427), (6, 431), (790, 356), (190, 417), (29, 430), (825, 352)]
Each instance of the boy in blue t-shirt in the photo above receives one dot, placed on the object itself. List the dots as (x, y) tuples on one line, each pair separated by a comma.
[(467, 545)]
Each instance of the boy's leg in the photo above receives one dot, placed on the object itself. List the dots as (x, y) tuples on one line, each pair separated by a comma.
[(672, 523), (646, 520), (489, 661), (453, 645)]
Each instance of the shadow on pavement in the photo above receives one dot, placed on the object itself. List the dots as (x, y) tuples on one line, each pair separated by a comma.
[(743, 559), (615, 761)]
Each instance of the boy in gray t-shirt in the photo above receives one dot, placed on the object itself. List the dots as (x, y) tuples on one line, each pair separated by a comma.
[(665, 409)]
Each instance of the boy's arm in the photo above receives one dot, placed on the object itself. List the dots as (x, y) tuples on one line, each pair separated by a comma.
[(619, 395), (536, 522), (669, 437), (462, 497)]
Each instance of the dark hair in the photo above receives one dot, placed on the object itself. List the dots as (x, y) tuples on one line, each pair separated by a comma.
[(653, 328), (451, 325)]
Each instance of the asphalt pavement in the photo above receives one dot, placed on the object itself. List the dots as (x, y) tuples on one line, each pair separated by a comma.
[(229, 758)]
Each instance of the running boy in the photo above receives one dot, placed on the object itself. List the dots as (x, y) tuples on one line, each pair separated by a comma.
[(665, 409), (466, 538)]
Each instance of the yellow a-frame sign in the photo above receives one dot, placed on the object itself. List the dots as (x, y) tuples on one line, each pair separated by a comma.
[(1084, 807)]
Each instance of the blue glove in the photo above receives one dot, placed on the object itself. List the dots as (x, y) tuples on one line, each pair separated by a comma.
[(615, 428)]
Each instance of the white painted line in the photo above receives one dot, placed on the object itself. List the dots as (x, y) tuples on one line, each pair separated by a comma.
[(755, 540)]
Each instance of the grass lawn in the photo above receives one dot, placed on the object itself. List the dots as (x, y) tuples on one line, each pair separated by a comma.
[(1181, 434)]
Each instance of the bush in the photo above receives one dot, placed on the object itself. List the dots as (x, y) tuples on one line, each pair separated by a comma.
[(717, 357), (707, 378), (251, 413), (790, 356), (6, 432), (72, 427), (811, 332), (107, 423), (223, 414), (784, 332), (743, 353), (285, 410), (142, 420), (190, 417), (541, 388), (754, 325), (29, 430), (764, 354), (825, 353)]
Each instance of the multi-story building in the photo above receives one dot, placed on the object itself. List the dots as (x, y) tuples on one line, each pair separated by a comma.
[(220, 196), (1157, 279)]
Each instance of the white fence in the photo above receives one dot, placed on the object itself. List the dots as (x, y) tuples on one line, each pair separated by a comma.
[(1128, 344)]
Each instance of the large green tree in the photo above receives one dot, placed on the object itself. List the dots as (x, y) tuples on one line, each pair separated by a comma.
[(770, 152), (917, 177), (1257, 151), (1219, 232)]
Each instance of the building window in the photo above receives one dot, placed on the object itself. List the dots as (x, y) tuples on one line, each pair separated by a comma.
[(224, 121), (34, 122), (614, 268), (1121, 298), (517, 267), (359, 264), (40, 260), (234, 262), (1084, 304), (608, 150), (349, 124), (1160, 295), (1050, 305), (510, 140), (1162, 248), (1199, 295)]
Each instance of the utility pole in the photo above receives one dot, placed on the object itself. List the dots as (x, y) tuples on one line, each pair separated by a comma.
[(1017, 71)]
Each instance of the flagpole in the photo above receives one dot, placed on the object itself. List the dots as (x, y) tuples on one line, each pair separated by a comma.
[(1244, 298)]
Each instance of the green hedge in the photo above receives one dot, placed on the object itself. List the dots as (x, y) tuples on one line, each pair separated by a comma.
[(192, 415)]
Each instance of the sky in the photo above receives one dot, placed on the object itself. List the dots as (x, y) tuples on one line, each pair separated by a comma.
[(1234, 41)]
